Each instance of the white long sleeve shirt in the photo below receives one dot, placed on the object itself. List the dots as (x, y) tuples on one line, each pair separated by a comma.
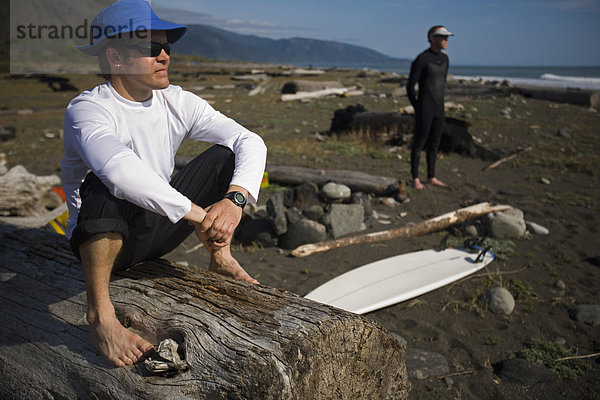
[(131, 147)]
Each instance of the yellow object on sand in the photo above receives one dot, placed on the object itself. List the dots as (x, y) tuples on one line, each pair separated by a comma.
[(59, 224), (265, 181)]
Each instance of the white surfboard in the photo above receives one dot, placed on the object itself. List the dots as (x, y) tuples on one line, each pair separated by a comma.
[(395, 279)]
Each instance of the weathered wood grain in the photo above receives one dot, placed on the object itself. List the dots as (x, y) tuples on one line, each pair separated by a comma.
[(241, 341)]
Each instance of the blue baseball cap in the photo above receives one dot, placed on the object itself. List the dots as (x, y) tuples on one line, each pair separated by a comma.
[(125, 18)]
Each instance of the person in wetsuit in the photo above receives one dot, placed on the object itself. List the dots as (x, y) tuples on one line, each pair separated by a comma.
[(429, 71)]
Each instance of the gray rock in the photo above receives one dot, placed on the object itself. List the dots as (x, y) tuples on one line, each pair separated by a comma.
[(536, 228), (474, 229), (313, 212), (499, 300), (257, 230), (508, 224), (545, 181), (524, 372), (302, 232), (342, 219), (560, 285), (364, 200), (293, 216), (276, 213), (470, 230), (423, 364), (335, 191), (563, 132), (586, 313), (305, 196)]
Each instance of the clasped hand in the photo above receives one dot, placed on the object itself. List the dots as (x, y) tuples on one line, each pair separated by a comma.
[(217, 227)]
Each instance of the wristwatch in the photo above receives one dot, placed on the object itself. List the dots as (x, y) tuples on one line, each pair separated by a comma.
[(237, 198)]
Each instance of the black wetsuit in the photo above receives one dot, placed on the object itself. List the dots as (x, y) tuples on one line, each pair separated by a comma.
[(429, 70)]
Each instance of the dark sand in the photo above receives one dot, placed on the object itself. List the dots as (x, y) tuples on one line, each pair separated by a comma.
[(451, 320)]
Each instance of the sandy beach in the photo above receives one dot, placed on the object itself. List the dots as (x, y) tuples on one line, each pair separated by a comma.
[(556, 184)]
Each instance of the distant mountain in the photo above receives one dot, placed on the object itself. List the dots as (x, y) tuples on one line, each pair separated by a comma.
[(218, 44)]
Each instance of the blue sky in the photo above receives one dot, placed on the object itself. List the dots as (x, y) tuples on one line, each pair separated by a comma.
[(508, 32)]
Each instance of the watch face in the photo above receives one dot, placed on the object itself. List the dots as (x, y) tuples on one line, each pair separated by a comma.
[(240, 198)]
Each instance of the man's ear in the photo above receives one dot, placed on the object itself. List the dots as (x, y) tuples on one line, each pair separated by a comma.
[(114, 58)]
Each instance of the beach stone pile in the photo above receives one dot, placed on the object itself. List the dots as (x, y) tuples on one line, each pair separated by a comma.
[(509, 224), (307, 214)]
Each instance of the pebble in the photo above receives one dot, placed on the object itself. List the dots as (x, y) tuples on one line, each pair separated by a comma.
[(586, 313), (536, 228), (335, 191), (545, 181), (422, 364), (448, 381), (560, 285), (500, 300), (562, 132), (389, 202)]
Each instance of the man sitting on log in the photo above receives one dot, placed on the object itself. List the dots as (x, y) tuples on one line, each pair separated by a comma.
[(120, 143)]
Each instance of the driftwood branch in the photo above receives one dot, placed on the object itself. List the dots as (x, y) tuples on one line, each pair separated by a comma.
[(507, 158), (423, 228), (239, 340), (593, 355)]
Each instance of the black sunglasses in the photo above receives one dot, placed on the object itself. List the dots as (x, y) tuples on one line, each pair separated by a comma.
[(152, 48)]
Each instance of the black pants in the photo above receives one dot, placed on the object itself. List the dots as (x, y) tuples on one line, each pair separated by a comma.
[(147, 235), (428, 133)]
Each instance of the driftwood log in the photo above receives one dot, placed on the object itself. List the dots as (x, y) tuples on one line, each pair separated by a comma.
[(396, 128), (585, 98), (302, 85), (357, 181), (25, 194), (345, 91), (240, 341), (422, 228)]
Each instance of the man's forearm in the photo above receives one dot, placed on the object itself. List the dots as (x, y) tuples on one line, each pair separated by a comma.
[(196, 214)]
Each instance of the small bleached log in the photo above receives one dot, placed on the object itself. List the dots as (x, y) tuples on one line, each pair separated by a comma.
[(321, 93), (423, 228)]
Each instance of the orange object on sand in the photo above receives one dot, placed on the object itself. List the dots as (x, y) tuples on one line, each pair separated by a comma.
[(60, 192)]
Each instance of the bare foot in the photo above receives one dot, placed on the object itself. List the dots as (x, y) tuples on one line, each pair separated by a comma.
[(436, 182), (417, 184), (117, 344), (222, 262)]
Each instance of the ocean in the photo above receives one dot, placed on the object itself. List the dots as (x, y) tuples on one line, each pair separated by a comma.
[(564, 77)]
